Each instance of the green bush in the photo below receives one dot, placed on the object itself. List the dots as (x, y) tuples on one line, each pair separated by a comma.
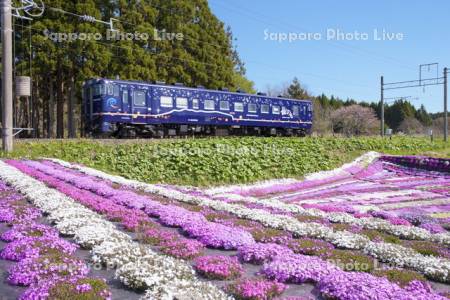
[(215, 161)]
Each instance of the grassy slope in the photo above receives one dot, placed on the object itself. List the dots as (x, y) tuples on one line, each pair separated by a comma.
[(221, 160)]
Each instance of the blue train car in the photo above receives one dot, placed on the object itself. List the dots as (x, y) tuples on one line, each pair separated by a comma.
[(129, 109)]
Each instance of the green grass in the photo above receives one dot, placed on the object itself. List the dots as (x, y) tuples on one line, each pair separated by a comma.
[(215, 161)]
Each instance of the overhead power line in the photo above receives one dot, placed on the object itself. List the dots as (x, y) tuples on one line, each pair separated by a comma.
[(417, 83), (93, 19), (236, 8)]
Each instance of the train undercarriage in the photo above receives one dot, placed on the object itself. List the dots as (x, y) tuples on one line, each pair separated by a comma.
[(180, 130)]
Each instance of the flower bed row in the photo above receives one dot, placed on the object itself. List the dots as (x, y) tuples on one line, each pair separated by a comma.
[(194, 224), (410, 195), (352, 218), (433, 267), (390, 224), (45, 262), (138, 266), (223, 268), (287, 185), (427, 163)]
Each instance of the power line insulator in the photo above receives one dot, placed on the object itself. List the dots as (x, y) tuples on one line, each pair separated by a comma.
[(89, 18)]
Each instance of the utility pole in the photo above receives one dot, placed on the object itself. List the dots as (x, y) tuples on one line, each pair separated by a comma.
[(7, 83), (419, 83), (382, 106), (445, 106)]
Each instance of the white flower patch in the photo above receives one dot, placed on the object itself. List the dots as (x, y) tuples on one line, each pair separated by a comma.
[(316, 188), (362, 161), (391, 253), (73, 212), (70, 226), (435, 268), (186, 290), (152, 270), (366, 208), (91, 235), (341, 217), (256, 185), (348, 240), (442, 238), (387, 252), (390, 206), (115, 254)]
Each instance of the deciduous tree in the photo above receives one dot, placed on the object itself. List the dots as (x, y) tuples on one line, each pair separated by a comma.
[(354, 120)]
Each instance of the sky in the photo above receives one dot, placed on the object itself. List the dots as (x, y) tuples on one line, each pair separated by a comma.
[(334, 48)]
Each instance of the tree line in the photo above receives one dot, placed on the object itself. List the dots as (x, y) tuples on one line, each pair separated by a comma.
[(351, 117), (206, 55)]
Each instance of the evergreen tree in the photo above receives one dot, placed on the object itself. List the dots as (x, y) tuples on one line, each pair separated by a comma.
[(423, 116), (296, 91), (205, 56)]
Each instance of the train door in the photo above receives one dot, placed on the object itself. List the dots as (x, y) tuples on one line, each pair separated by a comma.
[(126, 108), (87, 105), (304, 111), (139, 102)]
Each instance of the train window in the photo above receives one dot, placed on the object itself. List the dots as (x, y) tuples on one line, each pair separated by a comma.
[(305, 108), (96, 90), (224, 105), (252, 108), (110, 89), (166, 101), (195, 104), (99, 89), (139, 98), (238, 106), (182, 102), (210, 105), (276, 110), (116, 91), (125, 97), (265, 108), (295, 110)]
